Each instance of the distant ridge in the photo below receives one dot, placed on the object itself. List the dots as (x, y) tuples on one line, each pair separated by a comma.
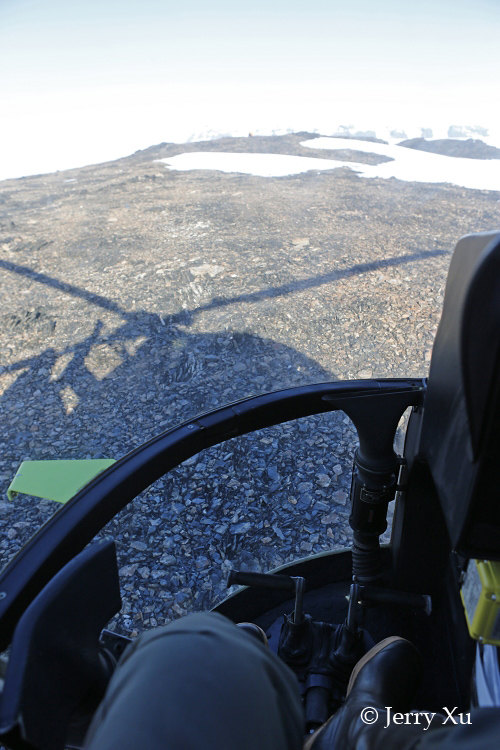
[(470, 149)]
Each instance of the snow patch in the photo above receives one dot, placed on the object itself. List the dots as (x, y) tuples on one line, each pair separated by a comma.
[(411, 165), (260, 165)]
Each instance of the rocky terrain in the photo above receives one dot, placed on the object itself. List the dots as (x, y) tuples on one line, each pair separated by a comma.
[(134, 297)]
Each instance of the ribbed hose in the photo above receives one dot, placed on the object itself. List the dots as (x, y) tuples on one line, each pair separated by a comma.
[(366, 558)]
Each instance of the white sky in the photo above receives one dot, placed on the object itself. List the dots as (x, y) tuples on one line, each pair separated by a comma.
[(408, 164), (91, 80)]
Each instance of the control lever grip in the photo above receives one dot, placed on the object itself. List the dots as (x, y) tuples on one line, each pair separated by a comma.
[(261, 580), (294, 584)]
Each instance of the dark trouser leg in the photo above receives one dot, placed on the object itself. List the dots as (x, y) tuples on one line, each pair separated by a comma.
[(199, 683)]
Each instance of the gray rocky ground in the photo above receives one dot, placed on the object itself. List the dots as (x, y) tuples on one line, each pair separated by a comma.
[(134, 297)]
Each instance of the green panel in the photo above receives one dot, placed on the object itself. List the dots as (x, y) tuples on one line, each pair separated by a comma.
[(56, 480)]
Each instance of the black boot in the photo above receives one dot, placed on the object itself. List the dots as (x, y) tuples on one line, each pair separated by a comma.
[(387, 677)]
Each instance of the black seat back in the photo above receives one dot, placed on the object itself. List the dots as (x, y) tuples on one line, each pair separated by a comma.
[(461, 425)]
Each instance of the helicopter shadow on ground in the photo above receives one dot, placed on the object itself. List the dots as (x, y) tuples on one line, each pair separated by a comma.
[(255, 501), (113, 389)]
